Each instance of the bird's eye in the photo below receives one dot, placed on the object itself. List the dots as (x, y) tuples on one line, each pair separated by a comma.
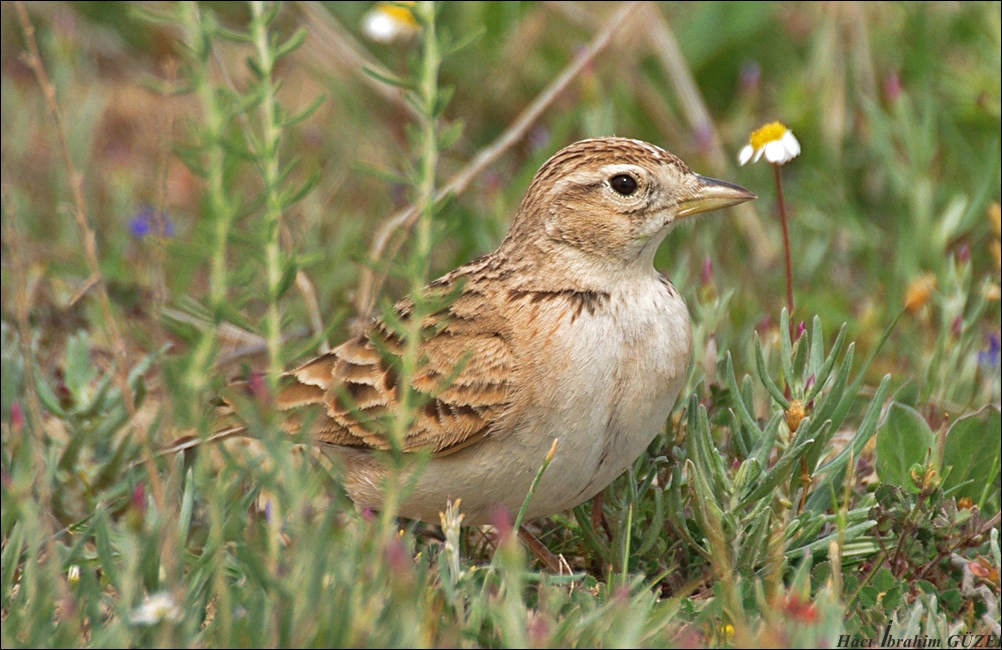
[(623, 184)]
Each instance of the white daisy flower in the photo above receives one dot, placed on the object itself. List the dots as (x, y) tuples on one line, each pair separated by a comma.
[(388, 22), (775, 141), (157, 607)]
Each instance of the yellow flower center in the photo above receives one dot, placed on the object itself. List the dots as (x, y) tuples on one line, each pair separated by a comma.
[(768, 133), (399, 13)]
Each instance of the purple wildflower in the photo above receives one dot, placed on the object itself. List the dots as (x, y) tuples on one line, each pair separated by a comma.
[(149, 221), (989, 357)]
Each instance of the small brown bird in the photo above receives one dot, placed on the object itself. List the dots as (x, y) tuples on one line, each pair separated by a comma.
[(565, 331)]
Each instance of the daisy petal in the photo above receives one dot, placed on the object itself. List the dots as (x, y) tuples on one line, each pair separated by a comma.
[(775, 152), (745, 154), (792, 144)]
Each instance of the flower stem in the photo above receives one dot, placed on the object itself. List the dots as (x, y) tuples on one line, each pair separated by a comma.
[(786, 244)]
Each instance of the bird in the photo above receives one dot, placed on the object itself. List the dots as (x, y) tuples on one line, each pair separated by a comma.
[(566, 331)]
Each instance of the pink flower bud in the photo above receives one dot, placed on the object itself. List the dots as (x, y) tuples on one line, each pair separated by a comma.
[(16, 417)]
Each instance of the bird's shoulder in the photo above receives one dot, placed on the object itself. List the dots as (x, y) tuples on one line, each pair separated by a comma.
[(462, 378)]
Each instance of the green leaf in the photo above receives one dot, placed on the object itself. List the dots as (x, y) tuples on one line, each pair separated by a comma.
[(389, 79), (291, 44), (822, 375), (786, 347), (777, 473), (764, 445), (825, 407), (296, 194), (834, 470), (384, 175), (467, 40), (817, 339), (187, 507), (288, 277), (799, 363), (740, 409), (45, 394), (903, 441), (738, 435), (304, 113), (884, 580), (971, 453), (755, 533), (450, 134), (232, 35), (78, 371), (167, 18), (700, 449), (820, 546), (763, 373)]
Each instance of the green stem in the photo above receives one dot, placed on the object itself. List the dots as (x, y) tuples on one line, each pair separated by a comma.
[(268, 160), (426, 98), (427, 147), (534, 485), (431, 61), (221, 209)]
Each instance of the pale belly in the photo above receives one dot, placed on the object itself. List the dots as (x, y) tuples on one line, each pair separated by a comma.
[(604, 391)]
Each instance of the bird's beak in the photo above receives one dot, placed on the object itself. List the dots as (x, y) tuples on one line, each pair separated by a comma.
[(711, 194)]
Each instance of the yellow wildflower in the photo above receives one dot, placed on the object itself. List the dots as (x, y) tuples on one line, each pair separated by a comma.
[(924, 478), (919, 292)]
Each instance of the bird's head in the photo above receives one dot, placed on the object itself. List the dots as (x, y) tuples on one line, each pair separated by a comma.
[(615, 199)]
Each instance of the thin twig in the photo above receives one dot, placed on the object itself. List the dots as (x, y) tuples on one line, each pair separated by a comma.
[(553, 563), (369, 283)]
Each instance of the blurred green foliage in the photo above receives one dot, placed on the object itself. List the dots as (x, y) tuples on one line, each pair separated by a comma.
[(785, 503)]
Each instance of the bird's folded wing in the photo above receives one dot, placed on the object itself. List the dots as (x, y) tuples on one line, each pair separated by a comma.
[(461, 383)]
